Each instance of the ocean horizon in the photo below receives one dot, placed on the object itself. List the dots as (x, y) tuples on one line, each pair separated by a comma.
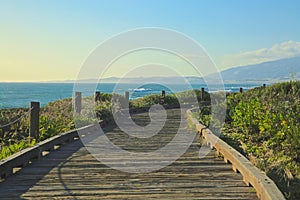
[(17, 95)]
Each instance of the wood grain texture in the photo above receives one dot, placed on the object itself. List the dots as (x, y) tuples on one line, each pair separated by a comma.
[(71, 172)]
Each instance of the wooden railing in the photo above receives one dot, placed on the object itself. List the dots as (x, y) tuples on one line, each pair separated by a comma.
[(264, 186), (9, 165)]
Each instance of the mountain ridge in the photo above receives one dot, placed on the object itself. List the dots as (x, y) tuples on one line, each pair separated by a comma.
[(271, 71), (267, 72)]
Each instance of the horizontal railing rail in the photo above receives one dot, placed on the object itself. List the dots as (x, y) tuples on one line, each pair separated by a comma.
[(31, 154)]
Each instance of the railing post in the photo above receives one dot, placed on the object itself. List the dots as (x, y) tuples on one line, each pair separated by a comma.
[(34, 120), (97, 96), (163, 96), (241, 90), (126, 99), (202, 93), (77, 102)]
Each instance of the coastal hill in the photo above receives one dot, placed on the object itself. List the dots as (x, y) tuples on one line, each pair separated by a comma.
[(273, 71), (268, 72)]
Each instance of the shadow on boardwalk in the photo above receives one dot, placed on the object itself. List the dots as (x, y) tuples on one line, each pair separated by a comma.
[(72, 173), (15, 186)]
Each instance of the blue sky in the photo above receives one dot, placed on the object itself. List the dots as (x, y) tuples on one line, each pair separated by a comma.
[(49, 40)]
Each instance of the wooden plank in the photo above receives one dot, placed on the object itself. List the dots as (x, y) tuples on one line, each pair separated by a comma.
[(70, 172)]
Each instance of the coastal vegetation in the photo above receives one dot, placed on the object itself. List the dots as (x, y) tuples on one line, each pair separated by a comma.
[(55, 118), (264, 125)]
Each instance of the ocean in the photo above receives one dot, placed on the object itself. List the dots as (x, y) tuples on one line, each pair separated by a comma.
[(16, 95)]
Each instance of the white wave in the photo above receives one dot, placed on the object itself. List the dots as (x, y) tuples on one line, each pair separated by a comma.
[(141, 90)]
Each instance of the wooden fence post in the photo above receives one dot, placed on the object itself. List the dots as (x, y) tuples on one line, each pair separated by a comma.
[(77, 102), (34, 120), (163, 94), (202, 94), (126, 99), (97, 96), (241, 90)]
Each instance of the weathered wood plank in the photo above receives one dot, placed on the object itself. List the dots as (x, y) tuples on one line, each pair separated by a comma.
[(72, 173)]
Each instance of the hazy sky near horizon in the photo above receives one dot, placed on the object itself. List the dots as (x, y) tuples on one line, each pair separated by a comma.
[(50, 39)]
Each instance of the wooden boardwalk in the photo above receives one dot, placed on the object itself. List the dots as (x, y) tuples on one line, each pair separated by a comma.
[(71, 172)]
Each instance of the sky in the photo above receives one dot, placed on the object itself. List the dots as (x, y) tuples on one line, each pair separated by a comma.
[(46, 40)]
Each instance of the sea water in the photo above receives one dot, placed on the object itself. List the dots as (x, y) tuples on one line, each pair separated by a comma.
[(15, 95)]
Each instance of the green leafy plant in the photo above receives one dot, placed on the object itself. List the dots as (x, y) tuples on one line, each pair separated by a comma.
[(10, 149), (264, 124)]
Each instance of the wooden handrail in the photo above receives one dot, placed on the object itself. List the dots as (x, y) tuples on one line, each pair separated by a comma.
[(265, 188), (28, 155)]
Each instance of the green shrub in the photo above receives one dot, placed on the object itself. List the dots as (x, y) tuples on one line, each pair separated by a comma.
[(265, 122), (10, 149)]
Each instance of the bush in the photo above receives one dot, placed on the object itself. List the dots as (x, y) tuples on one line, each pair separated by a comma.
[(10, 149), (265, 121)]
